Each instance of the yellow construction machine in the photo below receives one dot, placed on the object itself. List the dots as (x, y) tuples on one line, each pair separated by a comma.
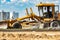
[(49, 16)]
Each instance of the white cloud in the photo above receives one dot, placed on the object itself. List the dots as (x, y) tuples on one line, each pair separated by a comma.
[(34, 2), (54, 2), (47, 2), (57, 1), (7, 3), (21, 2), (13, 0), (24, 0), (0, 10), (3, 1)]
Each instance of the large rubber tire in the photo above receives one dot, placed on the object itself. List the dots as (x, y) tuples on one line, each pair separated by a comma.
[(17, 25), (54, 24)]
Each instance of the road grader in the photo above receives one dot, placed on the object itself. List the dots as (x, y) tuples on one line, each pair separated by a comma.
[(49, 16)]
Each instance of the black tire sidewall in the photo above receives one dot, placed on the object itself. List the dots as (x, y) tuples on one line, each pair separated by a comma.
[(51, 24), (17, 25)]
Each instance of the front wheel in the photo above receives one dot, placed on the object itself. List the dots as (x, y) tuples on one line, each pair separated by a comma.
[(17, 25)]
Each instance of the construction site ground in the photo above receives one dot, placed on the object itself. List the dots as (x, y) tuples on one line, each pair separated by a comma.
[(17, 34)]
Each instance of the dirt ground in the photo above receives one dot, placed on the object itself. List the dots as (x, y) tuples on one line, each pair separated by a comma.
[(47, 35)]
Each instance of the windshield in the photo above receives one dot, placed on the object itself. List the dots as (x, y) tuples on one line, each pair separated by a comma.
[(45, 11)]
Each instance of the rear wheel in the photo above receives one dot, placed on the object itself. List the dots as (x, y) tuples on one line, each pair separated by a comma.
[(54, 24), (17, 25)]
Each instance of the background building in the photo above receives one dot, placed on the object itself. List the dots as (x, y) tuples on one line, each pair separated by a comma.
[(15, 15), (4, 15), (0, 16)]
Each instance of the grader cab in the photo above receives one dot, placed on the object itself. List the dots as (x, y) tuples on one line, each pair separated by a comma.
[(50, 13)]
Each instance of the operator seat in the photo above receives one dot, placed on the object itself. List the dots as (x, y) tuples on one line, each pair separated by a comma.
[(48, 15)]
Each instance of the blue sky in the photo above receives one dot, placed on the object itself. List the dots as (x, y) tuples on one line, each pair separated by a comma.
[(21, 5)]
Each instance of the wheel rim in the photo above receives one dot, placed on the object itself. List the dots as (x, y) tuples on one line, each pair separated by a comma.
[(54, 24)]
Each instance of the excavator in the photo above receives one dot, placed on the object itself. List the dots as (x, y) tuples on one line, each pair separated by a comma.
[(49, 16)]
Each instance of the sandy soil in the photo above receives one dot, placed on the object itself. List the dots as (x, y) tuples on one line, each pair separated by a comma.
[(30, 35)]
